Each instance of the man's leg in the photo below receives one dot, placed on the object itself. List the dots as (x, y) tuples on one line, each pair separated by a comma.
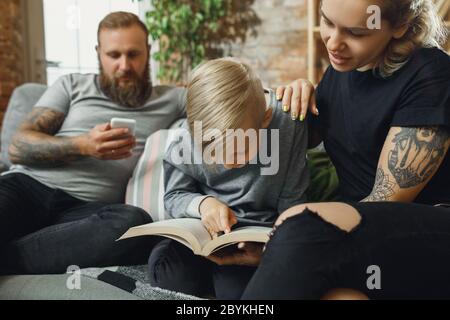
[(173, 266), (84, 236), (23, 206)]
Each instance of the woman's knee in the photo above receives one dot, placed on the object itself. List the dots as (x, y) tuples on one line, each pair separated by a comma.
[(341, 215)]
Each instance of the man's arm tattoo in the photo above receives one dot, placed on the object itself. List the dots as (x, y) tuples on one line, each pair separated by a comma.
[(417, 154), (45, 120), (35, 145)]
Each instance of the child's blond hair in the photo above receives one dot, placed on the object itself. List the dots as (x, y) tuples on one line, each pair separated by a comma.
[(221, 93)]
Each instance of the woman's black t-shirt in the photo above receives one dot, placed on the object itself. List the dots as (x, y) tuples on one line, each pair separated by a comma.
[(357, 110)]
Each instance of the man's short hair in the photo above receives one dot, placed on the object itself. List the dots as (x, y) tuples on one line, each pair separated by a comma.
[(120, 19)]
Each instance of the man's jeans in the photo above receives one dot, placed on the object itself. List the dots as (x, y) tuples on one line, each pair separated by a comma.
[(43, 230)]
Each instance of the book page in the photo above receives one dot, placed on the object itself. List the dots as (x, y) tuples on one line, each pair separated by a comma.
[(196, 228), (188, 231)]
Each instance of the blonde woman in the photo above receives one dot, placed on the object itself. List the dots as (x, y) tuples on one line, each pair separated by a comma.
[(234, 182), (384, 119), (384, 101)]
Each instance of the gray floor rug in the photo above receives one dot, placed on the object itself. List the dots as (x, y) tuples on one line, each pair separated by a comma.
[(134, 280)]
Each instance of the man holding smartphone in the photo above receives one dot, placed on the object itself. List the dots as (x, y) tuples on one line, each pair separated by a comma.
[(61, 204)]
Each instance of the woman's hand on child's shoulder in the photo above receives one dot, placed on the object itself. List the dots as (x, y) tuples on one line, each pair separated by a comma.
[(216, 216), (298, 97)]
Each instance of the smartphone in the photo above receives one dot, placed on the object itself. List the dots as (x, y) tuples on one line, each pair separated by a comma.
[(130, 124)]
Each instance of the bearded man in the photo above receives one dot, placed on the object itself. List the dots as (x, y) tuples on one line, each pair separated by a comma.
[(61, 204)]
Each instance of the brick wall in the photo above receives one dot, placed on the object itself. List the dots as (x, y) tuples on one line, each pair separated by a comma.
[(11, 51), (279, 52)]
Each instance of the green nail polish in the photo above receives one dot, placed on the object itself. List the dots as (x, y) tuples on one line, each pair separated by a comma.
[(294, 116), (285, 108), (302, 117)]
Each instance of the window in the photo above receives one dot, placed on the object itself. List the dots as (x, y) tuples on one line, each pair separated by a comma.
[(71, 33)]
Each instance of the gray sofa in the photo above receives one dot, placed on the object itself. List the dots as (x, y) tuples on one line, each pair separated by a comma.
[(22, 101), (50, 287)]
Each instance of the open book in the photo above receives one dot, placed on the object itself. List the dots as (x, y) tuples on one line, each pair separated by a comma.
[(194, 235)]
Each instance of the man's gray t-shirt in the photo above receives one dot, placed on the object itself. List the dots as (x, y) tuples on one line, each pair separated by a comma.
[(79, 97)]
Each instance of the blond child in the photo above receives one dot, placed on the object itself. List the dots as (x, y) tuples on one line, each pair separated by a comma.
[(236, 179)]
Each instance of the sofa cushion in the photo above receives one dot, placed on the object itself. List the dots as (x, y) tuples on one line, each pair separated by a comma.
[(22, 101), (54, 287), (146, 187), (112, 283)]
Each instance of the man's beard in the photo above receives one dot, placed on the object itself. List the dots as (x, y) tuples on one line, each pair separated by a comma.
[(133, 94)]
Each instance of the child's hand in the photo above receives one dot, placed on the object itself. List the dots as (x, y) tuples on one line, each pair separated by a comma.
[(216, 216)]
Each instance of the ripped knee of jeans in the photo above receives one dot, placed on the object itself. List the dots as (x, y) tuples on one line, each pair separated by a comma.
[(339, 216), (343, 216)]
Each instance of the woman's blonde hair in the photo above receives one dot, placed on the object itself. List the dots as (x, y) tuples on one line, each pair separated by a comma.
[(426, 30), (221, 93)]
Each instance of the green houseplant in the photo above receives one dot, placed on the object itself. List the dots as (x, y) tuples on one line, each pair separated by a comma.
[(190, 31)]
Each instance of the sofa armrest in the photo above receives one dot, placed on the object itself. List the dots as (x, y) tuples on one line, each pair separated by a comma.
[(22, 101)]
